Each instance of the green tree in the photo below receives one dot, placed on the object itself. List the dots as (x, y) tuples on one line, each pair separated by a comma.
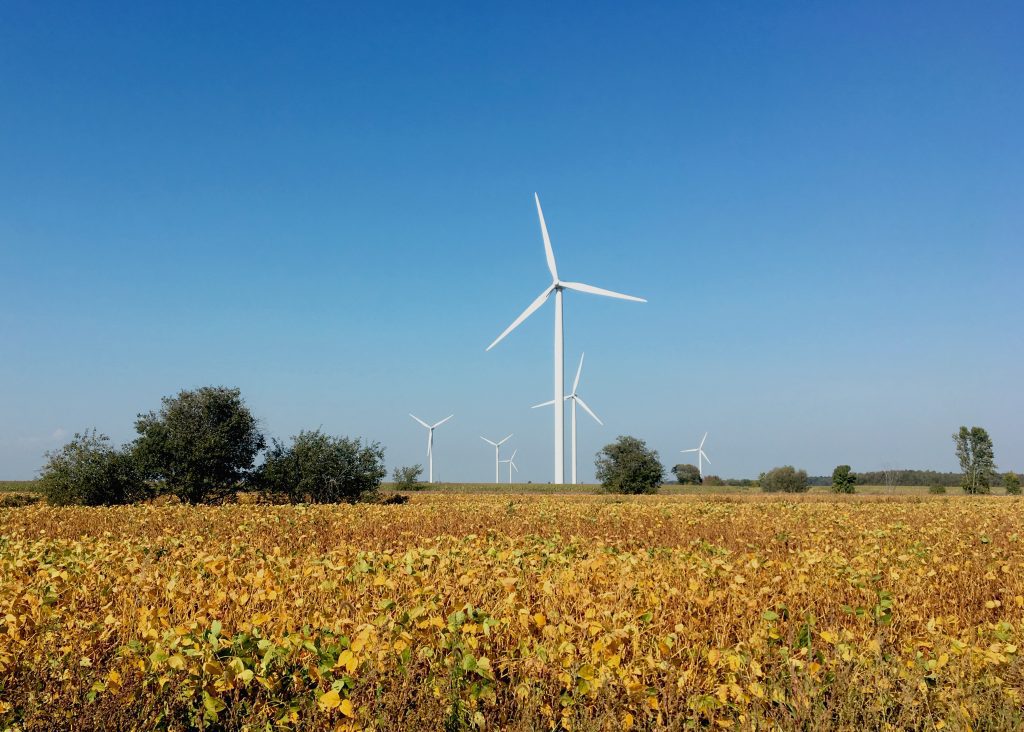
[(89, 471), (687, 474), (1012, 483), (200, 443), (629, 466), (843, 481), (786, 479), (977, 459), (319, 468), (408, 478)]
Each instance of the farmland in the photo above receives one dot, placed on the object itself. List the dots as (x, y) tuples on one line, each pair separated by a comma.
[(516, 612)]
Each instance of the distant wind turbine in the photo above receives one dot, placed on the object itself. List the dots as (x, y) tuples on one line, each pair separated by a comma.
[(556, 287), (430, 442), (701, 456), (511, 465), (575, 398), (497, 449)]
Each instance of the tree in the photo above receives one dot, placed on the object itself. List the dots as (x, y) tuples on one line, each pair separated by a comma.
[(687, 474), (89, 471), (1012, 483), (408, 478), (843, 481), (786, 479), (201, 443), (319, 468), (713, 480), (977, 459), (629, 466)]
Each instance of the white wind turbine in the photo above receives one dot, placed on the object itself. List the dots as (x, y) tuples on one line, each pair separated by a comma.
[(556, 287), (511, 465), (430, 442), (497, 449), (700, 455), (575, 398)]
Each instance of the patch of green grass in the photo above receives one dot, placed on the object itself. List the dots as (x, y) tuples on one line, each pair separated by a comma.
[(19, 486)]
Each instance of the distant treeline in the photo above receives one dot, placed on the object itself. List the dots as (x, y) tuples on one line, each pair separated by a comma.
[(903, 477)]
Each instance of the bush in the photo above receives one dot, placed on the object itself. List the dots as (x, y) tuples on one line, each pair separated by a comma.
[(713, 480), (318, 468), (201, 443), (687, 474), (786, 479), (937, 489), (629, 466), (843, 481), (89, 471), (1012, 483), (408, 478)]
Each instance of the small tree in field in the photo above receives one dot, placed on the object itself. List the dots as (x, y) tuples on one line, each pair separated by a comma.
[(318, 468), (89, 471), (977, 459), (786, 479), (687, 474), (408, 478), (843, 481), (629, 466), (1012, 483)]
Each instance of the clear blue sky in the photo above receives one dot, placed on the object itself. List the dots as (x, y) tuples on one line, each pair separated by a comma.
[(330, 207)]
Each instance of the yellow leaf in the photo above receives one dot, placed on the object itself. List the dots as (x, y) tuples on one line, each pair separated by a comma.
[(627, 721), (540, 620), (346, 707), (330, 700)]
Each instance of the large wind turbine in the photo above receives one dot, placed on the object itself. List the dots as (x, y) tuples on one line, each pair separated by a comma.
[(701, 457), (556, 287), (497, 449), (430, 442), (511, 465), (575, 398)]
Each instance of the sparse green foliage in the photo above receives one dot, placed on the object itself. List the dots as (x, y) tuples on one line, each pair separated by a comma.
[(786, 479), (937, 489), (201, 443), (843, 481), (319, 468), (89, 471), (408, 478), (1012, 483), (977, 459), (687, 474), (629, 466)]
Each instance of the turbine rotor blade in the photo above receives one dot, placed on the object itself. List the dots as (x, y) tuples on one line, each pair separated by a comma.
[(705, 456), (495, 444), (443, 420), (503, 441), (579, 370), (580, 287), (548, 251), (548, 403), (692, 449), (525, 314), (419, 420), (703, 438), (588, 410)]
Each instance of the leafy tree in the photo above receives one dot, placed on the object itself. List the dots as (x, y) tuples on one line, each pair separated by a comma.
[(687, 474), (1012, 483), (977, 459), (408, 478), (89, 471), (786, 479), (629, 466), (843, 481), (200, 443), (319, 468), (936, 489)]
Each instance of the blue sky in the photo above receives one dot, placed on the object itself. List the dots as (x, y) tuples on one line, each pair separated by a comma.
[(330, 207)]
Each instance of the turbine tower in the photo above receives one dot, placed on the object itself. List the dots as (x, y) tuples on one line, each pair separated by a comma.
[(497, 449), (511, 465), (430, 442), (556, 287), (701, 457), (575, 398)]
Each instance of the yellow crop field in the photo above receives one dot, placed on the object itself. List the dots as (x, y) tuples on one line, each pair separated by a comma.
[(516, 612)]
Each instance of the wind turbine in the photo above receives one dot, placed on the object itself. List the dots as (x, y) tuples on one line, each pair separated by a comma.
[(700, 455), (497, 449), (511, 465), (430, 442), (575, 398), (556, 287)]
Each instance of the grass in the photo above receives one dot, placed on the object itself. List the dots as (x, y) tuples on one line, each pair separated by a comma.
[(19, 486)]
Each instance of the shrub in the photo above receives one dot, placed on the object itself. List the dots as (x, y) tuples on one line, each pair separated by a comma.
[(201, 443), (408, 478), (629, 466), (318, 468), (687, 474), (937, 489), (1012, 483), (843, 481), (89, 471), (713, 480), (786, 479)]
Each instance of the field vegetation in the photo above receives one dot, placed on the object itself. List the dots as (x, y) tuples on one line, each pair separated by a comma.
[(517, 612)]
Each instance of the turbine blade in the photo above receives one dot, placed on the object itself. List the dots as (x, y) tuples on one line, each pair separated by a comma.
[(548, 251), (579, 286), (588, 410), (692, 449), (495, 444), (548, 403), (444, 420), (419, 420), (526, 313), (503, 441), (579, 371), (513, 454), (703, 438), (430, 442), (705, 456)]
